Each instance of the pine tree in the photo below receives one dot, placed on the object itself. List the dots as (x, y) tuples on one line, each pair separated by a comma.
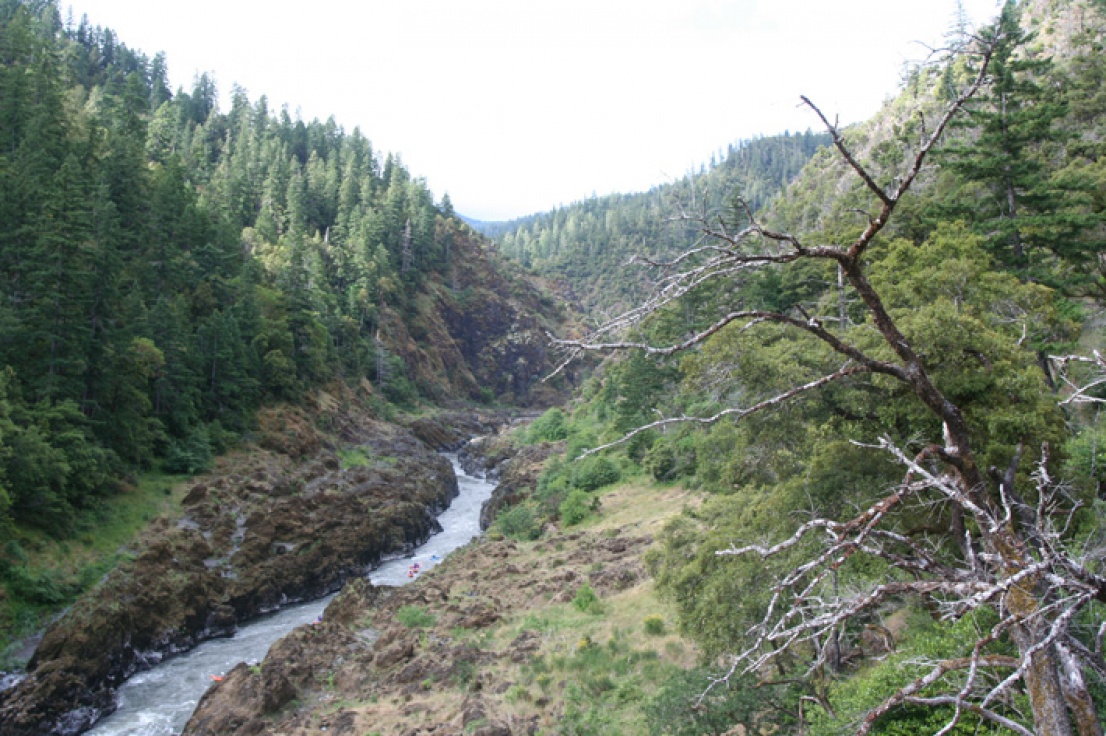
[(1010, 193)]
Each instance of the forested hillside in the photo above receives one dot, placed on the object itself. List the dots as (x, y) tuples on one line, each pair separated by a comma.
[(168, 267), (588, 246)]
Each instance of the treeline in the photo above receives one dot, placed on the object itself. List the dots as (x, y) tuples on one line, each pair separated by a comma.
[(166, 267), (588, 244)]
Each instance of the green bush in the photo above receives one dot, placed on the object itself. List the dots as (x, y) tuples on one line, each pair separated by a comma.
[(579, 442), (654, 625), (670, 458), (521, 522), (593, 472), (676, 710), (587, 601), (415, 617), (46, 588), (551, 426), (575, 508), (189, 456)]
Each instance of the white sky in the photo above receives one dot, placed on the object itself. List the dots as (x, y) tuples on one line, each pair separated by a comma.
[(517, 106)]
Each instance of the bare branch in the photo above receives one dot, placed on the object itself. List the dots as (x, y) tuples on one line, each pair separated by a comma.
[(1080, 388), (736, 413), (908, 693), (973, 708), (839, 144)]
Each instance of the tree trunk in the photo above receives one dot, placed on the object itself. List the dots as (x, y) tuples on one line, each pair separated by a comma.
[(1042, 680), (1079, 700)]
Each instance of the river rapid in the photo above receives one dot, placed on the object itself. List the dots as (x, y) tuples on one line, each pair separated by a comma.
[(159, 701)]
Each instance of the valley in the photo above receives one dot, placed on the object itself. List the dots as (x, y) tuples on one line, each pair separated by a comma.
[(807, 441)]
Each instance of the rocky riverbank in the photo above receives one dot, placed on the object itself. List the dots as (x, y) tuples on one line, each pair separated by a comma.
[(288, 519), (488, 643), (516, 469)]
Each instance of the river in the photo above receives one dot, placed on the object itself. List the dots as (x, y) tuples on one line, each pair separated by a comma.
[(159, 701)]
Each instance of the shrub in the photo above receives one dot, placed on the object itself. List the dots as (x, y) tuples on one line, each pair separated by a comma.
[(189, 456), (594, 472), (575, 508), (671, 457), (549, 427), (675, 710), (587, 601), (519, 522), (654, 625)]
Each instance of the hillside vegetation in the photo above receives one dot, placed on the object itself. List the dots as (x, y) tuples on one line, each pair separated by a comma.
[(168, 268), (588, 246), (885, 380)]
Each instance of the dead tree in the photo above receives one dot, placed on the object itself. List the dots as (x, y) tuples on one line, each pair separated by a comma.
[(1010, 556)]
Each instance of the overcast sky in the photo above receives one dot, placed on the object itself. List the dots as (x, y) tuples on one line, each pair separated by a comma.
[(517, 106)]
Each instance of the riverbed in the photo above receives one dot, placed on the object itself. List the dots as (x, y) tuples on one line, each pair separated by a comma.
[(159, 701)]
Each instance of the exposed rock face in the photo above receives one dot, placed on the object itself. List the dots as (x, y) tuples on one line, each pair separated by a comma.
[(480, 333), (269, 527), (485, 457), (451, 431)]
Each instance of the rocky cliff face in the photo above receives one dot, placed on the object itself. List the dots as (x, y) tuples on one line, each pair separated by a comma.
[(480, 332), (289, 520)]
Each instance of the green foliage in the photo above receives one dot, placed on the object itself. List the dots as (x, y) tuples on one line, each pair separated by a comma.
[(947, 296), (43, 588), (415, 617), (168, 266), (551, 426), (575, 508), (521, 521), (53, 466), (1086, 457), (676, 709), (607, 684), (653, 624), (672, 456), (587, 601), (1029, 210), (588, 243), (190, 455), (353, 457), (40, 572), (593, 472), (926, 641)]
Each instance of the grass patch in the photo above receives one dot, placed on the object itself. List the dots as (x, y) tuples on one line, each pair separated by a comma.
[(609, 683), (353, 457), (41, 575), (415, 617)]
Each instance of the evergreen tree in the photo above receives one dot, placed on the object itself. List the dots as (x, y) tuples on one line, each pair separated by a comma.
[(1010, 192)]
